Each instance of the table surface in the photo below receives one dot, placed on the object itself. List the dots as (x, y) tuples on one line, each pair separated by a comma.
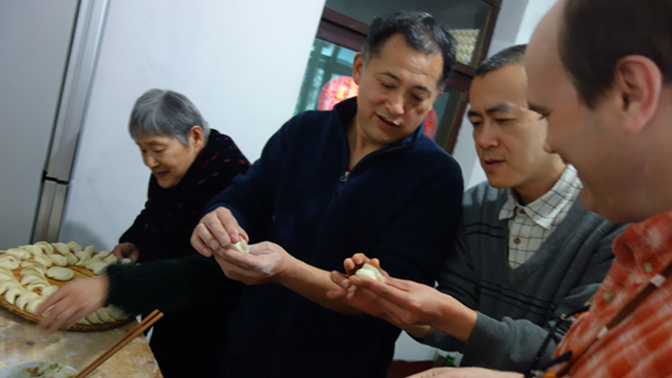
[(21, 341)]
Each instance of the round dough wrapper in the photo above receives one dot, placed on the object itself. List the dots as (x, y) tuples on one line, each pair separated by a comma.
[(60, 274)]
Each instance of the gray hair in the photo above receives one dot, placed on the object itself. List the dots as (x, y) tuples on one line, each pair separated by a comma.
[(164, 112)]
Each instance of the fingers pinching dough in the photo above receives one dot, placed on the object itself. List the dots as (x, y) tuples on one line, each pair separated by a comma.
[(241, 246), (371, 272)]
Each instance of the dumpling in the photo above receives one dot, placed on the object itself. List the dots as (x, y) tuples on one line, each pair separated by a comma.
[(62, 248), (99, 268), (103, 315), (5, 286), (93, 318), (46, 292), (19, 253), (34, 303), (43, 260), (371, 272), (83, 321), (24, 298), (59, 260), (31, 278), (74, 247), (38, 286), (84, 256), (111, 259), (116, 312), (36, 269), (45, 247), (6, 276), (10, 262), (13, 293), (60, 274), (241, 246)]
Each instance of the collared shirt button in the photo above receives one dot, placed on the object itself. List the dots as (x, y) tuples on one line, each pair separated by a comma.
[(648, 267), (608, 296), (521, 211), (516, 240)]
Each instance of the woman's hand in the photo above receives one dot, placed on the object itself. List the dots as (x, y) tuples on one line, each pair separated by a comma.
[(72, 302), (126, 251), (215, 231)]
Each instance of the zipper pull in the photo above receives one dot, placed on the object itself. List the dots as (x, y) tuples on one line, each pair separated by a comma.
[(344, 178)]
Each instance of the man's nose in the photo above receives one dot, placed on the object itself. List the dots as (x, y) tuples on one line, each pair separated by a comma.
[(486, 135)]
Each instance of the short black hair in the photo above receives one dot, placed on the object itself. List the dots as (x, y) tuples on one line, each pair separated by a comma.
[(422, 32), (509, 56), (594, 35)]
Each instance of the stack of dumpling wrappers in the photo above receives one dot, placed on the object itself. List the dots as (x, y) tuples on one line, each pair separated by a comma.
[(34, 263)]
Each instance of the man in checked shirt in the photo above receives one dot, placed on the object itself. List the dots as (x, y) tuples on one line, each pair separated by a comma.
[(526, 252)]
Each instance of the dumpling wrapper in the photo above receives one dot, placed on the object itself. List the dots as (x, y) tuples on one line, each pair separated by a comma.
[(371, 272), (241, 246), (60, 274)]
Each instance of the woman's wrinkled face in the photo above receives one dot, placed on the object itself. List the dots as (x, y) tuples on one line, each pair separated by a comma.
[(167, 157)]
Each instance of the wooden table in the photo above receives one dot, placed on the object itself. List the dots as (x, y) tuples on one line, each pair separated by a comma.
[(21, 341)]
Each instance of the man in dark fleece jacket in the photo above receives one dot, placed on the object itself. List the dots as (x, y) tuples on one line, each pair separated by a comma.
[(362, 177)]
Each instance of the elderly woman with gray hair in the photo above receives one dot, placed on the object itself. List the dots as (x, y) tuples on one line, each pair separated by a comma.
[(190, 163)]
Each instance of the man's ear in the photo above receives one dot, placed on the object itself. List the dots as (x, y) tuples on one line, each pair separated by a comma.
[(638, 84), (357, 67), (196, 137)]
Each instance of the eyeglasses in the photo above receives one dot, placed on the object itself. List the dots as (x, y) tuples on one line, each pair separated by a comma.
[(537, 370)]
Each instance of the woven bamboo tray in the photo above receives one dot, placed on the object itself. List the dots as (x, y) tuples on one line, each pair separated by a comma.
[(80, 273)]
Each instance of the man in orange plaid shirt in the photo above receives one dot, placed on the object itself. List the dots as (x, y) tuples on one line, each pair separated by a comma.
[(601, 72)]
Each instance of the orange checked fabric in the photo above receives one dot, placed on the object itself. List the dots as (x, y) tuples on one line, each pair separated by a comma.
[(641, 345)]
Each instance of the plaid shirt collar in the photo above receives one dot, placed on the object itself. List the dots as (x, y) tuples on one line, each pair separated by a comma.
[(564, 190)]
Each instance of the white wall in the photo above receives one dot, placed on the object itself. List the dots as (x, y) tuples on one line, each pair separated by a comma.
[(241, 62), (516, 22)]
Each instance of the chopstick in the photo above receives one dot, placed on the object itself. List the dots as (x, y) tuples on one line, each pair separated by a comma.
[(127, 338)]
